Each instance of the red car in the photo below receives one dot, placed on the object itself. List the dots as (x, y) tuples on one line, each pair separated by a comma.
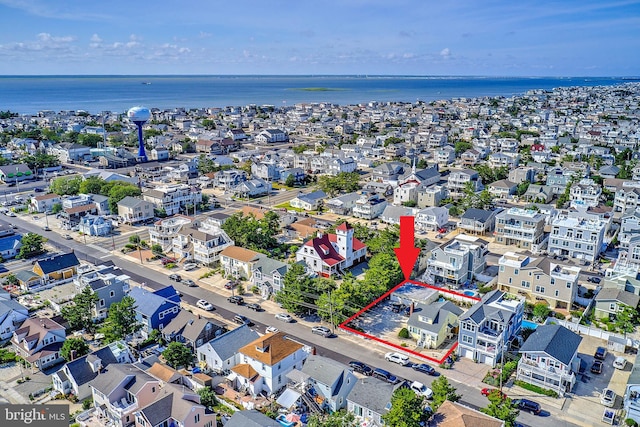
[(487, 391), (442, 230)]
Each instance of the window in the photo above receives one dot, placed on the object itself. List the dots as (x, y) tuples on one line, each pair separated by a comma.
[(515, 271), (196, 419), (526, 284), (112, 294), (612, 306), (553, 281), (467, 339), (540, 289), (502, 268), (557, 292)]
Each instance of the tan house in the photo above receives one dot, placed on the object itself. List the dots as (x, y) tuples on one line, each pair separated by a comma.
[(39, 341), (538, 279), (120, 390), (133, 210), (238, 262), (453, 414)]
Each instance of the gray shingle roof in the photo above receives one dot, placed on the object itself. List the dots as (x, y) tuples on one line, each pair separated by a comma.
[(372, 393), (477, 214), (437, 312), (555, 340), (324, 370), (613, 294), (481, 310), (251, 418), (130, 202), (226, 345)]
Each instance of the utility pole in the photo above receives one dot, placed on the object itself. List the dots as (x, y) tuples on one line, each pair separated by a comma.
[(331, 313)]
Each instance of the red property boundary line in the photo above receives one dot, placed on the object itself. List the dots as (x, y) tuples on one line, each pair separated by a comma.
[(346, 328)]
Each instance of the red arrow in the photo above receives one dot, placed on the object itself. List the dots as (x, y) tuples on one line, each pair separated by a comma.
[(407, 253)]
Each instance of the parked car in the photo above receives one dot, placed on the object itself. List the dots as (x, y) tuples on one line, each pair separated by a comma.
[(383, 375), (46, 228), (360, 367), (620, 362), (205, 305), (594, 279), (271, 330), (175, 277), (421, 389), (284, 317), (242, 320), (67, 237), (190, 266), (236, 299), (600, 354), (608, 397), (321, 330), (487, 391), (189, 283), (38, 190), (398, 358), (229, 285), (596, 368), (527, 405), (424, 368), (254, 306)]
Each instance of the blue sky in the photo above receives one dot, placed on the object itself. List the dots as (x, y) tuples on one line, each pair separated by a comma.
[(416, 37)]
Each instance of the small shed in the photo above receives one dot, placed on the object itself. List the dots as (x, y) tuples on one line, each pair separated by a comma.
[(617, 344)]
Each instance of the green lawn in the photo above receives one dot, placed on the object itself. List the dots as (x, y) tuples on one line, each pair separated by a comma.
[(288, 207)]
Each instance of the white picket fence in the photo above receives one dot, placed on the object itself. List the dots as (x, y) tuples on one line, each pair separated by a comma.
[(586, 330)]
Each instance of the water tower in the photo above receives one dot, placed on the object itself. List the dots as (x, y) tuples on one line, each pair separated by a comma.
[(139, 116)]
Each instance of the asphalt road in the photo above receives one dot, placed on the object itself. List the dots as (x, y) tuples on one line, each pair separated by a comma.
[(338, 347)]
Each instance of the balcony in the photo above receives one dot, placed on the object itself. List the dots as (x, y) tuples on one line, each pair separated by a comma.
[(122, 407), (489, 335)]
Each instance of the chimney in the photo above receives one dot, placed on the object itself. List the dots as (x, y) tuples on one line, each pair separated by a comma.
[(411, 307)]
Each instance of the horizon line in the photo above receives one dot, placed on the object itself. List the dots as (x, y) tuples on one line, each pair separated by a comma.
[(357, 75)]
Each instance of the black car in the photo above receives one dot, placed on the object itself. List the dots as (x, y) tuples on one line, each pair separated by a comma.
[(254, 306), (38, 190), (596, 368), (383, 375), (175, 277), (235, 299), (361, 367), (594, 279), (600, 354), (527, 405), (424, 368)]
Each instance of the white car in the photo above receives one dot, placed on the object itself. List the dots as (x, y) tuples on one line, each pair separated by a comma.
[(421, 389), (608, 397), (272, 330), (620, 363), (284, 317), (190, 266), (398, 358), (205, 305)]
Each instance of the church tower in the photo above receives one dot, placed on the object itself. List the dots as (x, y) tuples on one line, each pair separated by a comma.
[(344, 241)]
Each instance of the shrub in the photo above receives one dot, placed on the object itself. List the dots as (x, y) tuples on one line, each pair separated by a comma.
[(87, 403), (631, 422), (536, 389), (170, 265), (404, 333)]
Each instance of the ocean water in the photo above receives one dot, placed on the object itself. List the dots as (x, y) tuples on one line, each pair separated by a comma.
[(30, 94)]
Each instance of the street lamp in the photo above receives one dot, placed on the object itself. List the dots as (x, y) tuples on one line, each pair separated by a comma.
[(17, 183)]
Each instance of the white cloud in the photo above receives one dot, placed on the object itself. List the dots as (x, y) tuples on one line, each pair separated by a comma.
[(96, 39), (445, 53), (46, 37)]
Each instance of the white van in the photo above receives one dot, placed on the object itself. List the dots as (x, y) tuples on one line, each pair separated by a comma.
[(620, 362)]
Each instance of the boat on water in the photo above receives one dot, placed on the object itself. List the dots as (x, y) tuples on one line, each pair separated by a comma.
[(146, 83)]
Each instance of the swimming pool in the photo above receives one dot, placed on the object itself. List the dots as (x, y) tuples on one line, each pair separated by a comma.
[(529, 324), (470, 293)]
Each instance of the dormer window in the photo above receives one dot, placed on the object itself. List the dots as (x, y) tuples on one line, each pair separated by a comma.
[(262, 349)]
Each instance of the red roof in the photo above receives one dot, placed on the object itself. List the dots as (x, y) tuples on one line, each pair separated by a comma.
[(344, 227), (357, 244), (331, 257)]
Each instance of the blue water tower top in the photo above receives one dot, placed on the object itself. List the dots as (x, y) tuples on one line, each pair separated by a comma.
[(139, 114)]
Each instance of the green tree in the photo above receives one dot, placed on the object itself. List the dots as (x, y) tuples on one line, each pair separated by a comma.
[(32, 245), (522, 188), (339, 418), (56, 208), (119, 192), (79, 315), (443, 390), (295, 284), (66, 185), (299, 149), (290, 181), (501, 408), (626, 319), (209, 124), (78, 346), (121, 321), (134, 239), (156, 249), (90, 140), (541, 310), (406, 409), (462, 146), (177, 354), (40, 160), (251, 233), (207, 397), (346, 182), (91, 185)]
